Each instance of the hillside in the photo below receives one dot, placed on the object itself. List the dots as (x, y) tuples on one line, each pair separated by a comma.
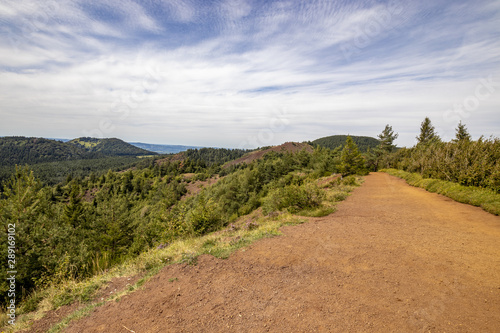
[(109, 147), (288, 147), (208, 156), (53, 160), (334, 141), (22, 150)]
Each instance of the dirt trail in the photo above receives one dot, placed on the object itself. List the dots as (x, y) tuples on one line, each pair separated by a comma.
[(393, 258)]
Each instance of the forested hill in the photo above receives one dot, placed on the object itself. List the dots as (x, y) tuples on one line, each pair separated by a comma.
[(23, 150), (109, 147), (334, 141)]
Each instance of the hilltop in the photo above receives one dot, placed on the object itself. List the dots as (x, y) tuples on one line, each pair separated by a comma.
[(234, 156), (334, 141), (110, 147), (22, 150)]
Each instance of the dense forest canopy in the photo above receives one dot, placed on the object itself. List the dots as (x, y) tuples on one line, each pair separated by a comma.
[(214, 155)]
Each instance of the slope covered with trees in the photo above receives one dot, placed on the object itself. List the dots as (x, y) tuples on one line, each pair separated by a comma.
[(52, 173), (54, 160), (22, 150), (110, 147), (214, 155)]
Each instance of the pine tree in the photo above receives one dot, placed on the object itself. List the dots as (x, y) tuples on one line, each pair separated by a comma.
[(351, 160), (462, 135), (427, 132), (387, 138), (74, 211), (24, 211)]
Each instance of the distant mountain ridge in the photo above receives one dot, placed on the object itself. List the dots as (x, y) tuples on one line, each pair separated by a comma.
[(334, 141), (156, 148), (164, 149), (23, 150)]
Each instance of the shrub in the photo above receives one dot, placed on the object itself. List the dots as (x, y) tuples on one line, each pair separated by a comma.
[(349, 181), (205, 216), (294, 198)]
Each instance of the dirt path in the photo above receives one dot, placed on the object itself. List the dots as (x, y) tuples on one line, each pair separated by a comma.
[(393, 258)]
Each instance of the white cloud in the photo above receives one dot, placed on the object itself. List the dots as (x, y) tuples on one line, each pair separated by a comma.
[(66, 79)]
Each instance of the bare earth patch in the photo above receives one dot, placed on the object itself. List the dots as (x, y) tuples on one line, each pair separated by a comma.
[(287, 147), (393, 258), (195, 187)]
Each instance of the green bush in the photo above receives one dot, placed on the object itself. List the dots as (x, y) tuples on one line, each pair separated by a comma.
[(294, 198), (204, 216), (349, 181)]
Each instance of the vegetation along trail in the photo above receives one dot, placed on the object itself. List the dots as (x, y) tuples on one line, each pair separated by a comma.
[(392, 258)]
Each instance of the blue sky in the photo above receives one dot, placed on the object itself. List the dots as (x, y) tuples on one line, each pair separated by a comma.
[(247, 73)]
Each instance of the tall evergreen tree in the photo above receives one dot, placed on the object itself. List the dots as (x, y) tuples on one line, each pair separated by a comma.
[(74, 211), (387, 138), (351, 160), (461, 133), (24, 211), (427, 132)]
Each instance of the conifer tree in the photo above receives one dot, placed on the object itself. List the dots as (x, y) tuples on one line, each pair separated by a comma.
[(351, 160), (23, 213), (387, 138), (427, 132), (73, 211), (461, 134)]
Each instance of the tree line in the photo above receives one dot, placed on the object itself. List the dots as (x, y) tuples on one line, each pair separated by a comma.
[(462, 160)]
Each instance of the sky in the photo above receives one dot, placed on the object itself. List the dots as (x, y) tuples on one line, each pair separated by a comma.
[(247, 74)]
